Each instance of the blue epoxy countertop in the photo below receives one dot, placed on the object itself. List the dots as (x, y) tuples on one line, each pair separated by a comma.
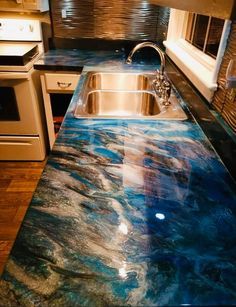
[(75, 60), (127, 213)]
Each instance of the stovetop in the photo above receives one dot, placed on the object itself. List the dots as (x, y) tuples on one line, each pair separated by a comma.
[(20, 44), (17, 54), (15, 48)]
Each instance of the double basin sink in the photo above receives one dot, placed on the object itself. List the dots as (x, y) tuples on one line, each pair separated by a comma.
[(124, 95)]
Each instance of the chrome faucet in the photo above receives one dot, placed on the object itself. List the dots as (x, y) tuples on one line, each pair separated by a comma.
[(161, 83)]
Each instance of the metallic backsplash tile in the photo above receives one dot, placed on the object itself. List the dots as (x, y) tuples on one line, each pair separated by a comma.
[(109, 19), (223, 101)]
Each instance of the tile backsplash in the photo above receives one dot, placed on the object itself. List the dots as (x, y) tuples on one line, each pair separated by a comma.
[(109, 19)]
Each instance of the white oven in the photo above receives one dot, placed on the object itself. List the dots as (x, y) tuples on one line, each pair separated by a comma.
[(22, 119)]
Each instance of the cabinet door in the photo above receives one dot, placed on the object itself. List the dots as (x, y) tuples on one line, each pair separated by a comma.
[(36, 5), (10, 4)]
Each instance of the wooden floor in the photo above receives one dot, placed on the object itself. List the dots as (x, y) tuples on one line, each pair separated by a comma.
[(18, 181)]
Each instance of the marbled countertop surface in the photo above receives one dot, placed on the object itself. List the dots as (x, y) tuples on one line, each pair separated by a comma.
[(127, 213), (75, 60)]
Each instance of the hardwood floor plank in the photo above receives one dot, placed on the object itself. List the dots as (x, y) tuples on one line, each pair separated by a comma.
[(22, 185), (24, 164), (7, 214), (18, 181), (14, 199), (19, 173), (5, 247), (8, 231), (4, 183)]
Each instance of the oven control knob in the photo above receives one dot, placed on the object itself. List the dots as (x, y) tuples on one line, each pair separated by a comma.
[(31, 28)]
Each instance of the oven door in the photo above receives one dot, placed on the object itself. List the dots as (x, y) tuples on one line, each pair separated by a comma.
[(17, 105)]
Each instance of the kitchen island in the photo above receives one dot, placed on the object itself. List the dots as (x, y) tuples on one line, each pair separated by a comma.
[(127, 213)]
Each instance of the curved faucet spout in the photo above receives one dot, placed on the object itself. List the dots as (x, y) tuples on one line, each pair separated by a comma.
[(161, 83), (152, 45)]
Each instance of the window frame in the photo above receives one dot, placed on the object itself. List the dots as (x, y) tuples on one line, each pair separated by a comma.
[(199, 67)]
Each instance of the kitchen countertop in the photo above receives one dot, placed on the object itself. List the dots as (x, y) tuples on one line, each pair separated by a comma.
[(75, 60), (127, 212), (223, 140)]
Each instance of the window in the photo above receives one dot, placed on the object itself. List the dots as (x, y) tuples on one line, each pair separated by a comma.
[(204, 33), (196, 44)]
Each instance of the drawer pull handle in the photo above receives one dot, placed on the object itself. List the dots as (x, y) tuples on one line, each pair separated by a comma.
[(63, 84)]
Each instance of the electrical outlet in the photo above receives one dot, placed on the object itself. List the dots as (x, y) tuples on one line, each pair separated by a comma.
[(63, 13)]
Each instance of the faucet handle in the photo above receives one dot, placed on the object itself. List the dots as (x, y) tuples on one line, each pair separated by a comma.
[(158, 79), (165, 92), (157, 84)]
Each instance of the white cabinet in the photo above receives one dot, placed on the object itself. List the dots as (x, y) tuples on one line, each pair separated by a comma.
[(24, 5), (57, 88)]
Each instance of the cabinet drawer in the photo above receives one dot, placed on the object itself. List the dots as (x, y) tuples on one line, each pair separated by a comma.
[(61, 82), (21, 148)]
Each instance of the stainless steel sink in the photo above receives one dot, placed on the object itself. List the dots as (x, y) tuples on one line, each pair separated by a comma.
[(122, 103), (124, 95), (118, 81)]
